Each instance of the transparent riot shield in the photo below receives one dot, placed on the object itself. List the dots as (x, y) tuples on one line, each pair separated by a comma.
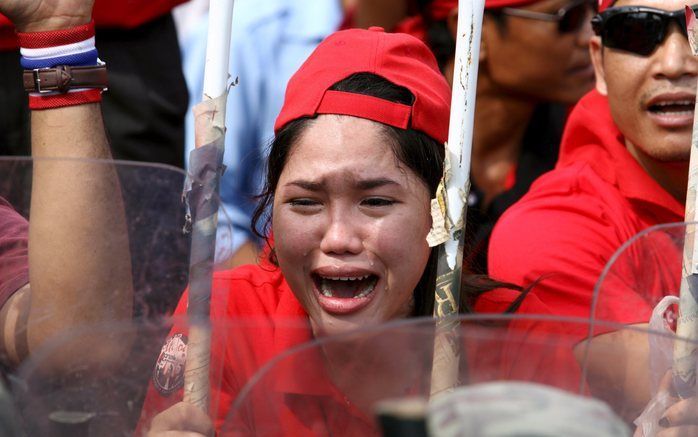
[(138, 203), (640, 274), (121, 393), (517, 376), (106, 246), (639, 287), (269, 377)]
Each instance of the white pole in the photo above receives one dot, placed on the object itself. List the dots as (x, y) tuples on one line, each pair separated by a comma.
[(202, 194), (460, 135), (220, 24), (456, 181)]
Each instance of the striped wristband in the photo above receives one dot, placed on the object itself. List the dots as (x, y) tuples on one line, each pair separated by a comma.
[(74, 47)]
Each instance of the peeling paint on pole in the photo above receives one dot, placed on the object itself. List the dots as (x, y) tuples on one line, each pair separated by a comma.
[(450, 205)]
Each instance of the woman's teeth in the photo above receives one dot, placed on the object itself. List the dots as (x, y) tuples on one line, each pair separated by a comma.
[(345, 287), (353, 278)]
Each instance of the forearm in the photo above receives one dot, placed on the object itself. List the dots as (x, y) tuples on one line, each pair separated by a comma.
[(618, 370), (79, 258)]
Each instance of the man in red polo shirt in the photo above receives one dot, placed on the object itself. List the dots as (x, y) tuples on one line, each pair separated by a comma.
[(623, 167)]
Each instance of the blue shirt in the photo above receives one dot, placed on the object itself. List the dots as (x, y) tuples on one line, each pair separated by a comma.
[(271, 39)]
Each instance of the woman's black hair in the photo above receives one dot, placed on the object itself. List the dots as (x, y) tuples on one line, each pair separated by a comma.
[(415, 149)]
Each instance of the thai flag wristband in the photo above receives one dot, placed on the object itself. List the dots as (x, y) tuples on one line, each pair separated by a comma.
[(56, 61)]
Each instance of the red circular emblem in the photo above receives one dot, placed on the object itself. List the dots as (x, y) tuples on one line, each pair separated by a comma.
[(168, 375)]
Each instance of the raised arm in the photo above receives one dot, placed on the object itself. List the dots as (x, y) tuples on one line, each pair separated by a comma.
[(79, 263)]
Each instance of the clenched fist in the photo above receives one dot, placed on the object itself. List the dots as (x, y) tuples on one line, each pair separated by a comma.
[(40, 15)]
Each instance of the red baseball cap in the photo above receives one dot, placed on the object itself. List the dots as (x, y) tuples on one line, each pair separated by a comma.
[(396, 57)]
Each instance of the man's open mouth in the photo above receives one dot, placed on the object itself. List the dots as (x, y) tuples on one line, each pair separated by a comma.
[(345, 287), (679, 107)]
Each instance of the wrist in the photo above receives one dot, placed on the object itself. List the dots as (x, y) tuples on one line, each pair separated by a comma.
[(62, 67)]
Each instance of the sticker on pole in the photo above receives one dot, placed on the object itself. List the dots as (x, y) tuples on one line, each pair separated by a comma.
[(691, 29), (168, 375)]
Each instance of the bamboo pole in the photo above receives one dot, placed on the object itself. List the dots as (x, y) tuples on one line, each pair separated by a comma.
[(450, 206)]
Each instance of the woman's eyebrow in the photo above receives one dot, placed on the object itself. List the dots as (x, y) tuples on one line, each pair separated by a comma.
[(306, 185), (368, 184), (361, 184)]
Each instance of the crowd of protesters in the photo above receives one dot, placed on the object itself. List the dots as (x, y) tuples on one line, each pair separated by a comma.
[(334, 150)]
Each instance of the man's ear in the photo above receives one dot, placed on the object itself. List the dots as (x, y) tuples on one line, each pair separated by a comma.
[(452, 23), (486, 25), (596, 52)]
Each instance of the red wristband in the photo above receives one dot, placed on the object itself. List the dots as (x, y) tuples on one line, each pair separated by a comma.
[(52, 38), (52, 101)]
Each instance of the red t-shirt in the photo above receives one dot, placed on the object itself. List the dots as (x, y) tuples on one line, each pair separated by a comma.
[(14, 238), (106, 13), (573, 219), (255, 316)]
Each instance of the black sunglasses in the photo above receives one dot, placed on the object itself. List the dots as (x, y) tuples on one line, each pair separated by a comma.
[(637, 29), (569, 18)]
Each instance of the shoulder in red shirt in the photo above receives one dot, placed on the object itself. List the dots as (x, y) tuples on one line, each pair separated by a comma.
[(14, 262), (575, 217)]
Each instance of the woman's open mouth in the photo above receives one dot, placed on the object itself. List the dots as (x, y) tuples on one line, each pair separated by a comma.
[(344, 294)]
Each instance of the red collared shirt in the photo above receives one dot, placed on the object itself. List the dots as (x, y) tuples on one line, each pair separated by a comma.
[(255, 317), (568, 226)]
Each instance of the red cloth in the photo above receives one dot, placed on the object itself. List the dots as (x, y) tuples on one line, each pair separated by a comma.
[(575, 217), (401, 59), (14, 262), (440, 9), (106, 13), (255, 316), (605, 4)]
